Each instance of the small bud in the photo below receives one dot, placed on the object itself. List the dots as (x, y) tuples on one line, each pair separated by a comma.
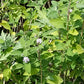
[(25, 59), (70, 10), (39, 41)]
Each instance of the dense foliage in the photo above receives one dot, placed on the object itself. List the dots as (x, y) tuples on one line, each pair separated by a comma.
[(42, 42)]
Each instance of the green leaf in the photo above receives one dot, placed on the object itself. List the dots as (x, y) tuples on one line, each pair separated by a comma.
[(25, 52), (58, 23), (55, 33), (4, 57), (16, 53), (54, 80), (11, 19), (60, 46), (18, 66), (73, 65), (24, 1), (80, 5), (33, 4), (5, 25), (34, 26), (76, 17), (1, 41), (7, 74), (78, 49), (73, 32), (46, 55), (27, 68), (22, 42), (34, 71), (50, 82), (18, 46), (69, 52)]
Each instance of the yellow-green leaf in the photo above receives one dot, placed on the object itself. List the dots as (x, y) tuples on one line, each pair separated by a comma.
[(54, 80), (58, 23), (73, 32), (7, 74), (55, 33), (34, 26), (1, 41), (13, 33), (78, 49), (5, 25), (76, 17)]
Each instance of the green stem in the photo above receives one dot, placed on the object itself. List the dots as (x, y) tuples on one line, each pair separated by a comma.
[(59, 29), (64, 77), (29, 81)]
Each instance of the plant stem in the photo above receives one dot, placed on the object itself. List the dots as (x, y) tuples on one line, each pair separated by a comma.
[(59, 29), (82, 32), (64, 77), (40, 65), (29, 81), (68, 17)]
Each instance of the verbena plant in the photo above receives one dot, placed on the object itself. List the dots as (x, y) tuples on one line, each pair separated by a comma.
[(44, 45)]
